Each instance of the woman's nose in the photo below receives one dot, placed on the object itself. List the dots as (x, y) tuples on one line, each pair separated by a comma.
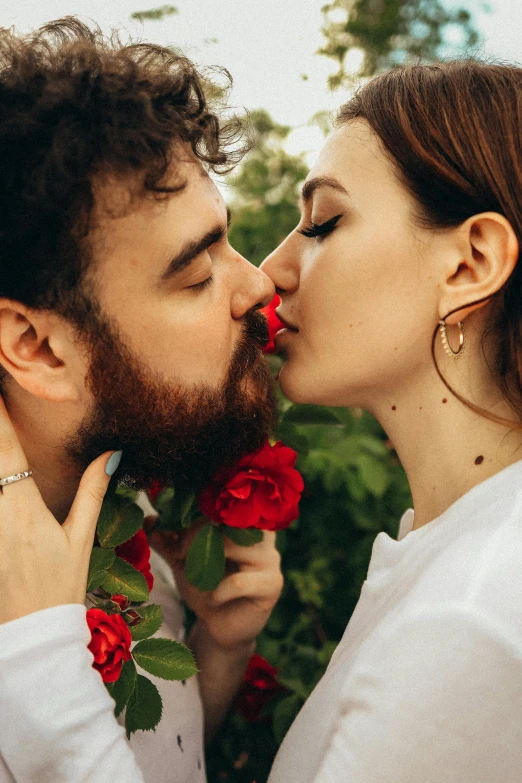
[(281, 267)]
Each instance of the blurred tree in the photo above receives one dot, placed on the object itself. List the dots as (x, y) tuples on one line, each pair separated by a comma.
[(155, 14), (391, 32), (265, 188)]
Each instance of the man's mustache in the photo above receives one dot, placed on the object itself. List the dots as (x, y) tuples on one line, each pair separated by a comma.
[(253, 339), (256, 328)]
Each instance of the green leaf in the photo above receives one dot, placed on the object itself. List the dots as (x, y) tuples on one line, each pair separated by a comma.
[(152, 619), (290, 436), (311, 414), (164, 500), (284, 715), (127, 493), (205, 563), (374, 475), (165, 658), (101, 560), (124, 686), (183, 501), (372, 445), (123, 578), (119, 520), (242, 536), (144, 707)]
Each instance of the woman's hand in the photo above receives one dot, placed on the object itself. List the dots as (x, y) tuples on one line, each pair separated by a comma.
[(43, 563)]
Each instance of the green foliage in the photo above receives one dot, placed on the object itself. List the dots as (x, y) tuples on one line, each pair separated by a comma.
[(151, 622), (265, 187), (101, 560), (243, 537), (119, 520), (123, 578), (123, 688), (155, 14), (165, 658), (144, 708), (205, 564), (391, 32)]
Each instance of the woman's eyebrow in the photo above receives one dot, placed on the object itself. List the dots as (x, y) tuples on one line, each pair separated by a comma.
[(312, 185), (193, 249)]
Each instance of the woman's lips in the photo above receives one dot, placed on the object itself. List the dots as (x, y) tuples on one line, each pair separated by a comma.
[(288, 326)]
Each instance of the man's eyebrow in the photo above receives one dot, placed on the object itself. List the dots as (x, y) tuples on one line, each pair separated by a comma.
[(312, 185), (193, 249)]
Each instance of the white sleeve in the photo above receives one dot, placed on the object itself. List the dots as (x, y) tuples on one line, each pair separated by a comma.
[(57, 723), (438, 700)]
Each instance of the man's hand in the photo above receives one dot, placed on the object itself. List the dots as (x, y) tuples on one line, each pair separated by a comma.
[(237, 610), (229, 617)]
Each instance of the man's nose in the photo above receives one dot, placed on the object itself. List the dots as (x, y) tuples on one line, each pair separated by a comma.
[(256, 290)]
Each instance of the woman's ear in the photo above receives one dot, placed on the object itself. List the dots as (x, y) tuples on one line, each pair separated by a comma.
[(487, 251), (37, 350)]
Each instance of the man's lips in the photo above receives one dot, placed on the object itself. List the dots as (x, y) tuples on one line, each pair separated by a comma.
[(286, 323)]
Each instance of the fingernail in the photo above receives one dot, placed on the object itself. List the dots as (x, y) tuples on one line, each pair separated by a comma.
[(113, 462)]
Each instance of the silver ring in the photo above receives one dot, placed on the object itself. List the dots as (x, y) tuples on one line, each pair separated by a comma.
[(16, 477)]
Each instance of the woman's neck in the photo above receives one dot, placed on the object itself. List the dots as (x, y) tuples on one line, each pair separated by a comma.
[(445, 448)]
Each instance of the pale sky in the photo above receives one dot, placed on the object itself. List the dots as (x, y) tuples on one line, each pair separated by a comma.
[(267, 45)]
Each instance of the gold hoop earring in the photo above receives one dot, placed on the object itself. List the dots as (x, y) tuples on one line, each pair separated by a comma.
[(445, 343)]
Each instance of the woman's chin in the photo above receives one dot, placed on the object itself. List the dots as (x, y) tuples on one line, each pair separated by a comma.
[(308, 388), (293, 386)]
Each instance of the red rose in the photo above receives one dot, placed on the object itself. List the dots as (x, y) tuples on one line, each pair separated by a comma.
[(121, 600), (155, 488), (110, 643), (274, 324), (263, 491), (136, 551), (258, 688)]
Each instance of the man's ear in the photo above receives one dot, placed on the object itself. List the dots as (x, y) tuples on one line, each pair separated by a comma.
[(487, 251), (38, 350)]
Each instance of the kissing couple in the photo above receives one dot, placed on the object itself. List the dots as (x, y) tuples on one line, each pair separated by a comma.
[(130, 346)]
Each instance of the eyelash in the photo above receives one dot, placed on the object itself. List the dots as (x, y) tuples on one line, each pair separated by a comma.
[(204, 284), (320, 229)]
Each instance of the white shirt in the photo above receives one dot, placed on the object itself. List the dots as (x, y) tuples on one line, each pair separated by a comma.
[(57, 722), (426, 683)]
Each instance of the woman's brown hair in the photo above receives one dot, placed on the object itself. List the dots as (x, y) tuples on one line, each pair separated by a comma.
[(454, 133)]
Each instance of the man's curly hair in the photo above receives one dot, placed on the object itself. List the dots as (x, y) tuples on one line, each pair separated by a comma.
[(75, 105)]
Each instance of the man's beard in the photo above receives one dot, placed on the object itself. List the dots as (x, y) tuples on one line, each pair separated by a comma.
[(168, 432)]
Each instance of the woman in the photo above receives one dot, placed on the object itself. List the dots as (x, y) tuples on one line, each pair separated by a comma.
[(402, 292)]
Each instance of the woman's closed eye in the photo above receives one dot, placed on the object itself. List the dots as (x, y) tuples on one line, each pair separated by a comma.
[(320, 229)]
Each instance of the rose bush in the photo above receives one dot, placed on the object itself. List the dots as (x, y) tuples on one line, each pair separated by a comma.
[(259, 687), (263, 491), (110, 643), (136, 551)]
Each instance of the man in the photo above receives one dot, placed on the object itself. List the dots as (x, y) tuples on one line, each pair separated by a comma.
[(126, 322)]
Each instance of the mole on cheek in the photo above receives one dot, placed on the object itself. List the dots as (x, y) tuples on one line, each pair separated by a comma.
[(394, 407), (479, 460), (444, 400)]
